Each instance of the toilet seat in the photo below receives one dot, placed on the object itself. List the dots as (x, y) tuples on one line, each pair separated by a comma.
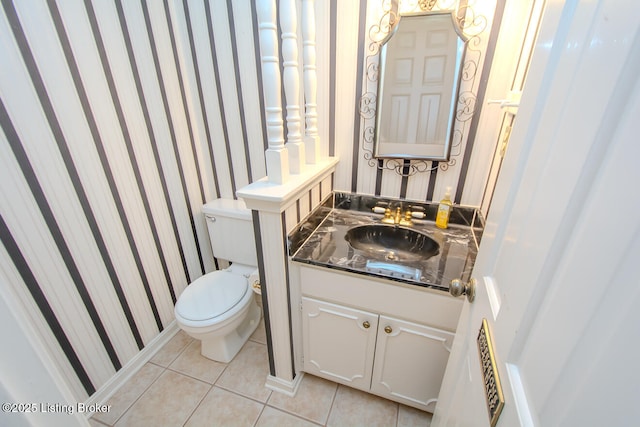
[(211, 296)]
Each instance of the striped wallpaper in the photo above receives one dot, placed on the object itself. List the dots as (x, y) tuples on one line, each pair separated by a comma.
[(118, 120)]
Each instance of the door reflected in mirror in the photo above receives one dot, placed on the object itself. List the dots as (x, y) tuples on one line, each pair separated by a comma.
[(420, 64)]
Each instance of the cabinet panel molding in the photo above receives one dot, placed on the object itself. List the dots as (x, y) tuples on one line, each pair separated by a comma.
[(339, 342), (410, 361)]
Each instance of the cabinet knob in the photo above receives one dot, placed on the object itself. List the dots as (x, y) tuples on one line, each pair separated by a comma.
[(366, 324), (388, 329)]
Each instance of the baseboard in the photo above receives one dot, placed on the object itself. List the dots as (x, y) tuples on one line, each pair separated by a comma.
[(103, 394), (290, 388)]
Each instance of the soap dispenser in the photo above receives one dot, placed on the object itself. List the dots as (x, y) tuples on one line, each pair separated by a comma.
[(444, 210)]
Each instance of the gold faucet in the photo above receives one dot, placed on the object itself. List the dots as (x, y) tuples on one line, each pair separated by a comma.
[(398, 218)]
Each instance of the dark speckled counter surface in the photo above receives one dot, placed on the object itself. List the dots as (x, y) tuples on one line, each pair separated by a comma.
[(320, 240)]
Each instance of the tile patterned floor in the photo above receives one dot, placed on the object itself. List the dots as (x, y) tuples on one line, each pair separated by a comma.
[(179, 387)]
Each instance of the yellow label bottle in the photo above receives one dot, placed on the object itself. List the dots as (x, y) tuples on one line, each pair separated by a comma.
[(444, 210)]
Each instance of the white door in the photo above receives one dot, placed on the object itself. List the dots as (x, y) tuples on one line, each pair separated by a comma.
[(558, 265)]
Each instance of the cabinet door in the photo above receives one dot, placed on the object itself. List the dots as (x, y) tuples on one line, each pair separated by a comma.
[(339, 342), (410, 360)]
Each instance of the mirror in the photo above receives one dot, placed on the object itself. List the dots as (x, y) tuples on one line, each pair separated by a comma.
[(420, 65)]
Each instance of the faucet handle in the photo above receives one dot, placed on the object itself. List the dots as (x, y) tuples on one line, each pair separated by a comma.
[(380, 207), (388, 217), (407, 218), (418, 212)]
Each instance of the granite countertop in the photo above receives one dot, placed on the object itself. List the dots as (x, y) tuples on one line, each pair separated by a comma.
[(320, 241)]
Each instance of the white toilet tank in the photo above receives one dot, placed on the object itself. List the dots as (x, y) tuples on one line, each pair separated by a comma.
[(231, 231)]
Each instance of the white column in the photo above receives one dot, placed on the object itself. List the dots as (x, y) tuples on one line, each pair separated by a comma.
[(291, 79), (311, 139), (276, 156)]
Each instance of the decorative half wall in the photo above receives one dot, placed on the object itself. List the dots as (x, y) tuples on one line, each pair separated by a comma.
[(276, 211)]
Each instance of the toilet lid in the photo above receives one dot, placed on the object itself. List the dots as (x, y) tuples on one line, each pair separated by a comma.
[(211, 295)]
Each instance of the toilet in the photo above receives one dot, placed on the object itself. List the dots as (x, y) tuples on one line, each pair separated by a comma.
[(220, 308)]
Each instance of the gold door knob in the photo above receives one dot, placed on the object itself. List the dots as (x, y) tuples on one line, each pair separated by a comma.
[(457, 288), (388, 329), (366, 324)]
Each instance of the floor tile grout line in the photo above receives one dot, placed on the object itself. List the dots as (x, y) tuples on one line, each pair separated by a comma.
[(267, 403), (140, 395), (182, 350), (259, 415), (293, 414), (333, 401), (237, 393), (286, 411), (198, 405), (95, 420), (196, 378), (397, 413), (164, 369)]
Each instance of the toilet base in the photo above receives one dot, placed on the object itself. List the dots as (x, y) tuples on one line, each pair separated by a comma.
[(224, 349)]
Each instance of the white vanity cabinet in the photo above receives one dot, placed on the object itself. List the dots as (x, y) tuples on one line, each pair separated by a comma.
[(385, 338), (410, 360), (339, 342)]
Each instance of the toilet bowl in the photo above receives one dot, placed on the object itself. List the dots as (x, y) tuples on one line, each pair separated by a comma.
[(220, 310)]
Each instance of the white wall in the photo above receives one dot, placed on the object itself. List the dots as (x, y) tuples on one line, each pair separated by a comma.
[(28, 376)]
